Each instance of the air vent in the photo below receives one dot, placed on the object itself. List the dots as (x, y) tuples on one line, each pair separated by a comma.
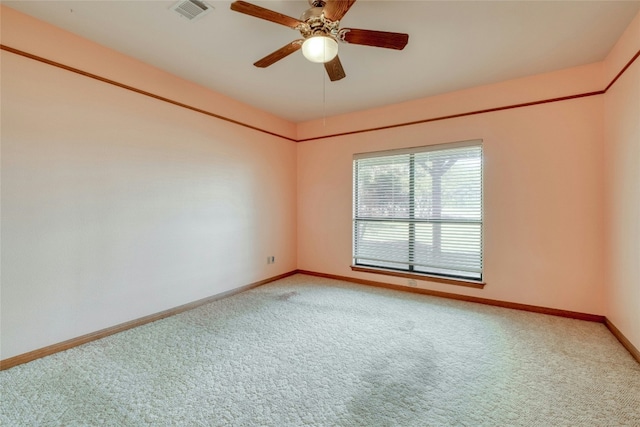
[(192, 9)]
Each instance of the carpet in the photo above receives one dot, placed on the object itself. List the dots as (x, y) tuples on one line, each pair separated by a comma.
[(307, 351)]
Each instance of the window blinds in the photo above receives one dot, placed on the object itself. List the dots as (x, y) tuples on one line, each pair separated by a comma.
[(420, 210)]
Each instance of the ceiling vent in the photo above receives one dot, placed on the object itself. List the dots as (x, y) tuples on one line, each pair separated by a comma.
[(192, 9)]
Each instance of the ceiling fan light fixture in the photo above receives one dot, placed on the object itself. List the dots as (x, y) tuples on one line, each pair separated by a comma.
[(320, 49)]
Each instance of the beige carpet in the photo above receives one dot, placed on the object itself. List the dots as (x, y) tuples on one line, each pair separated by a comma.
[(310, 351)]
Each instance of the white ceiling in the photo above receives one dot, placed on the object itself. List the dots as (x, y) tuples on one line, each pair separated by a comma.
[(452, 45)]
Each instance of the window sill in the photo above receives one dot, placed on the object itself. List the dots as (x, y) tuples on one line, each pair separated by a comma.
[(418, 276)]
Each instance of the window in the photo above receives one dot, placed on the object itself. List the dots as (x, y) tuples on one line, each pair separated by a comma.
[(419, 210)]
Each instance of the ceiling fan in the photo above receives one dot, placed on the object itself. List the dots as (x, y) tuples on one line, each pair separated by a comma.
[(319, 27)]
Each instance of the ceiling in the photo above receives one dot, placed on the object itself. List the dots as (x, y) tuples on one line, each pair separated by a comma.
[(452, 45)]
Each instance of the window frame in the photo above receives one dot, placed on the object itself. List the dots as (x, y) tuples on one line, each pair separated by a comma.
[(410, 272)]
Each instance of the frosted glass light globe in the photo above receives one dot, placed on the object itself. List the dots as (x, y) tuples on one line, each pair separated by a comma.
[(320, 49)]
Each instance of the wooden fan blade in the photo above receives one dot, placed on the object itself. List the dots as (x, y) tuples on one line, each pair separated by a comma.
[(279, 54), (334, 69), (262, 13), (374, 38), (336, 9)]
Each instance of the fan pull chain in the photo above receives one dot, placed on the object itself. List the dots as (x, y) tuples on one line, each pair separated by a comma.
[(324, 100)]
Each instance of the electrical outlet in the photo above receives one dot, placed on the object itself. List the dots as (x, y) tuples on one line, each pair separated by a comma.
[(271, 260), (412, 283)]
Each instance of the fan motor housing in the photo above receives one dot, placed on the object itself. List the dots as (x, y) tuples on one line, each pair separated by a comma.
[(317, 23)]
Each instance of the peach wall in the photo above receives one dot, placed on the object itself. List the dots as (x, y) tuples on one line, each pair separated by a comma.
[(116, 205), (25, 33), (568, 82), (543, 198), (622, 162)]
